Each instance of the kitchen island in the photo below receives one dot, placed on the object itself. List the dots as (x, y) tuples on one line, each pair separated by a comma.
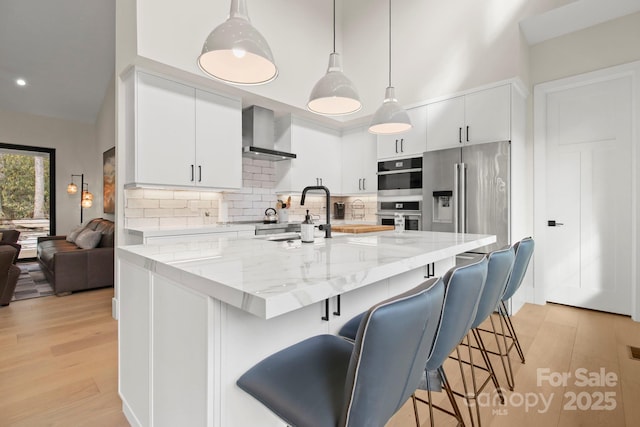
[(195, 315)]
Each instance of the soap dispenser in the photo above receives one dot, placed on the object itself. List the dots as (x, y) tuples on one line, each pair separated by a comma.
[(306, 229)]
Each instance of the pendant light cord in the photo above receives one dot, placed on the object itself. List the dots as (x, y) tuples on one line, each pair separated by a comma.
[(389, 43), (334, 26)]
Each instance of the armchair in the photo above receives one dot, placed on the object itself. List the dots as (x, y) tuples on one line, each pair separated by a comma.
[(9, 274), (10, 238)]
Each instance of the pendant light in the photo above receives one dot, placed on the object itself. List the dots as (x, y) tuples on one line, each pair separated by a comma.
[(390, 118), (334, 94), (235, 52)]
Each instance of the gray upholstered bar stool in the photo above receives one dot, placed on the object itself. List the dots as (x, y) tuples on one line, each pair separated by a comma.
[(329, 381), (500, 265), (523, 253), (464, 287)]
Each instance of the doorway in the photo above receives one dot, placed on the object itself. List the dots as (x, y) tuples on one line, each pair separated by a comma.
[(584, 190), (27, 204)]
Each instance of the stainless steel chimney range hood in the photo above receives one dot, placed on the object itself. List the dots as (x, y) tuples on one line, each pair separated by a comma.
[(258, 135)]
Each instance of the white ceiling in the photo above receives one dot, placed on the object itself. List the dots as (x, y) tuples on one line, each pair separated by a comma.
[(65, 49)]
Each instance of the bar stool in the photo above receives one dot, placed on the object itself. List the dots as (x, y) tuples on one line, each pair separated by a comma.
[(500, 265), (464, 287), (523, 253), (329, 381)]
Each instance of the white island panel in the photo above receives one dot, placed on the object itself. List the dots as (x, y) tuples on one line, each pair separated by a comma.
[(220, 306)]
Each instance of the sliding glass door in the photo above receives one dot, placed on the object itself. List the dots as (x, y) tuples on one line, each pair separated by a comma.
[(26, 201)]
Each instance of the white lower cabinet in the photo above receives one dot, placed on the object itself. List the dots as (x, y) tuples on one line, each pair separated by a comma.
[(180, 136)]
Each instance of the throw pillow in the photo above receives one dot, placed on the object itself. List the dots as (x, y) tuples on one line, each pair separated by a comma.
[(88, 239), (71, 237)]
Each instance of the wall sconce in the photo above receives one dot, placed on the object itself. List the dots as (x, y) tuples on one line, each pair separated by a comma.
[(86, 198)]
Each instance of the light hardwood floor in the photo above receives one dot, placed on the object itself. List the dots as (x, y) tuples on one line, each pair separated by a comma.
[(58, 366)]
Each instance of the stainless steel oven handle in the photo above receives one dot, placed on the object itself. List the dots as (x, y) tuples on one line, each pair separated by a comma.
[(398, 171)]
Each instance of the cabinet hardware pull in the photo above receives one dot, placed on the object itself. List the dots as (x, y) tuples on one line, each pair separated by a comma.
[(431, 270), (192, 173), (396, 145), (199, 173), (321, 181), (363, 186), (467, 133), (460, 135), (337, 312), (401, 145), (360, 184), (326, 310)]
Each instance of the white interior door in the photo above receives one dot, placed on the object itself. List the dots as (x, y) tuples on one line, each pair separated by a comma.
[(587, 255)]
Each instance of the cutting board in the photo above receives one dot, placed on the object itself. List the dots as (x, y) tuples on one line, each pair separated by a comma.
[(359, 228)]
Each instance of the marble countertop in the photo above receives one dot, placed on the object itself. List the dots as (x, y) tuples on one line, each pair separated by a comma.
[(270, 278)]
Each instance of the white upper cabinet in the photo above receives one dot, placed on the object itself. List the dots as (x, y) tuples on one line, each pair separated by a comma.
[(445, 123), (319, 156), (407, 144), (165, 132), (218, 141), (488, 115), (475, 118), (182, 136), (359, 162)]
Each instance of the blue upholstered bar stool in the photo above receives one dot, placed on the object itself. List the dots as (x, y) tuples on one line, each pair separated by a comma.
[(500, 266), (464, 287), (523, 253), (329, 381)]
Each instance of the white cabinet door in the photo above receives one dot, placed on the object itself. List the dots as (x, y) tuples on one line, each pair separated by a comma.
[(359, 162), (319, 159), (488, 115), (218, 141), (475, 118), (165, 132), (445, 124), (410, 143)]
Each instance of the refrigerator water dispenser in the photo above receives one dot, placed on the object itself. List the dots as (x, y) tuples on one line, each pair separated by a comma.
[(442, 206)]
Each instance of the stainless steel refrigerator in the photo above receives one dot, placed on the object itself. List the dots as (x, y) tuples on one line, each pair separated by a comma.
[(467, 190)]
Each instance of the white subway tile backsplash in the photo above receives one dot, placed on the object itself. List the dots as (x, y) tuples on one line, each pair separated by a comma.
[(158, 194), (173, 203), (155, 207), (187, 194), (159, 213), (143, 203)]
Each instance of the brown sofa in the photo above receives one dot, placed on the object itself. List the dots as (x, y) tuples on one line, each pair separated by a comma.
[(9, 274), (69, 267)]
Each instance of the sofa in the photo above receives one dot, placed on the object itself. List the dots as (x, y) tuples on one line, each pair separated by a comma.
[(9, 274), (81, 260)]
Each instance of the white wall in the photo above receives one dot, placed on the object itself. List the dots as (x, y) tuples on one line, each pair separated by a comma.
[(438, 47), (612, 43), (105, 139), (75, 147)]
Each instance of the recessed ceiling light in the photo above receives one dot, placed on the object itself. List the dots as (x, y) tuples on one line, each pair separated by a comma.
[(21, 82)]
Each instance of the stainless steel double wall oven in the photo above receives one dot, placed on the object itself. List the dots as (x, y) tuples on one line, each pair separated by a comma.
[(400, 191)]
